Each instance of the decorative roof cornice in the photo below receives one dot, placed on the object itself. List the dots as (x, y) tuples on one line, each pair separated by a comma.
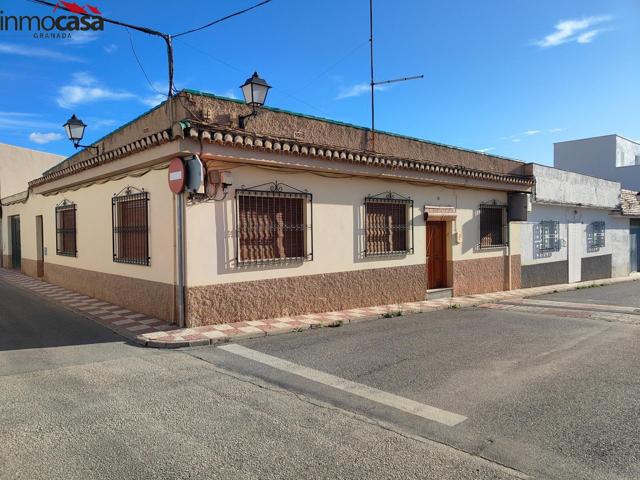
[(221, 135), (109, 156), (241, 139)]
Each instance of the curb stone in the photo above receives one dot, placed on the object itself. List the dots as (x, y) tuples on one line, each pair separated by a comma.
[(147, 331)]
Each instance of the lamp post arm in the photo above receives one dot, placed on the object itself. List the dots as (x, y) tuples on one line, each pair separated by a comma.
[(95, 147)]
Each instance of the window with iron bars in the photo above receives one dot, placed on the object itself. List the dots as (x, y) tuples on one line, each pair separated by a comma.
[(273, 225), (493, 225), (388, 225), (549, 236), (130, 220), (597, 235), (66, 229)]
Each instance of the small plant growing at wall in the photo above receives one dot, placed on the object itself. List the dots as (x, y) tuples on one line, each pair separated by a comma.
[(454, 306), (397, 313)]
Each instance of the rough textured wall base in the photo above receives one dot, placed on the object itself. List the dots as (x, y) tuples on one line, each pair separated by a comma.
[(595, 268), (29, 267), (6, 261), (484, 275), (273, 298), (547, 273), (151, 298)]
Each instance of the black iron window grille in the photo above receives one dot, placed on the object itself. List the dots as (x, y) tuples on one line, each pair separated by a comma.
[(493, 225), (596, 235), (66, 229), (274, 224), (549, 236), (130, 221), (388, 224)]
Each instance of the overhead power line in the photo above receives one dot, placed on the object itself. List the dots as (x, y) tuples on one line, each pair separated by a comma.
[(210, 24), (168, 38), (133, 50)]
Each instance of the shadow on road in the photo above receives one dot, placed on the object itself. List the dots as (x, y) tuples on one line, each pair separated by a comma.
[(30, 321)]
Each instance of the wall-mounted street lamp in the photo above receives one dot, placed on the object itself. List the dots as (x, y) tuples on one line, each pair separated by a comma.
[(75, 131), (255, 91)]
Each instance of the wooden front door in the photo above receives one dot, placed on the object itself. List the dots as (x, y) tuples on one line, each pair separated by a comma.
[(436, 255)]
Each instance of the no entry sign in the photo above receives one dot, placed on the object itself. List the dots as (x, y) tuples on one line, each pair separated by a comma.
[(176, 175)]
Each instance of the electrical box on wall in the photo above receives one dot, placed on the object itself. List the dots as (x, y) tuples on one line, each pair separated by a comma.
[(219, 177), (194, 174), (457, 238), (518, 206)]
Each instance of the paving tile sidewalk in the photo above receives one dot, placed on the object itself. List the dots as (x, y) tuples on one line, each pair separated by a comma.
[(151, 332)]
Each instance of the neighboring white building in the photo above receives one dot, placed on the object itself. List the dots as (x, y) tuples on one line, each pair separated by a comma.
[(20, 165), (17, 167), (611, 157), (574, 230)]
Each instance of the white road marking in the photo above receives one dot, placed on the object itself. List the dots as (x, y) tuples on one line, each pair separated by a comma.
[(400, 403)]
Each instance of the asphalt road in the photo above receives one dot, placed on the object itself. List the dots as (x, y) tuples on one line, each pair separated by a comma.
[(553, 397), (76, 402), (624, 294)]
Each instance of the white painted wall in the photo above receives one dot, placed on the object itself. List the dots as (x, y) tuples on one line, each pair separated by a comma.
[(616, 235), (562, 187), (609, 157), (94, 227)]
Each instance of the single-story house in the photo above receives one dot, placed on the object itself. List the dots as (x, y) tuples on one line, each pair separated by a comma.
[(574, 230), (296, 214)]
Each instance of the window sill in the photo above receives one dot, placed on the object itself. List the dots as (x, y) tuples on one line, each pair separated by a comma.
[(133, 262)]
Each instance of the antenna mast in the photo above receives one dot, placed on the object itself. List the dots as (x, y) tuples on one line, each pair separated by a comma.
[(373, 83)]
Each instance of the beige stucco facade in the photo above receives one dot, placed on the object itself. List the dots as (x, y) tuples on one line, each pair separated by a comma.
[(338, 275), (93, 271)]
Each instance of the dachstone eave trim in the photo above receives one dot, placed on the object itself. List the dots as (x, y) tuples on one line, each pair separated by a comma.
[(242, 139), (350, 125), (136, 146), (121, 127)]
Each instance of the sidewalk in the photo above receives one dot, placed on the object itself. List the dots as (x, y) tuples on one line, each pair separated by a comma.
[(151, 332)]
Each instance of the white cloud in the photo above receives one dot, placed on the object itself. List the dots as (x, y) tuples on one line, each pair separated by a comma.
[(84, 78), (577, 30), (555, 130), (357, 90), (111, 48), (515, 140), (153, 100), (72, 95), (486, 150), (531, 132), (80, 38), (589, 36), (36, 52), (42, 138), (85, 88), (23, 121)]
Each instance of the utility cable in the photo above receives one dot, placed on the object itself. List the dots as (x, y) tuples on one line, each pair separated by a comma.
[(133, 49), (221, 19)]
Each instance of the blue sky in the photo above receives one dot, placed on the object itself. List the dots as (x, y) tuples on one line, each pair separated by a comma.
[(509, 77)]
